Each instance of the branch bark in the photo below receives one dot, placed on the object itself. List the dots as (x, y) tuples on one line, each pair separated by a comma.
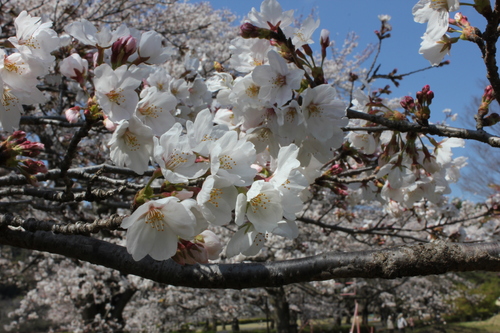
[(446, 131), (390, 263)]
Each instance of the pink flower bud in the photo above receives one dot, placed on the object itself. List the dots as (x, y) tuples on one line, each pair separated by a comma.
[(408, 103), (33, 167), (73, 114), (30, 149), (248, 30), (122, 49), (17, 135)]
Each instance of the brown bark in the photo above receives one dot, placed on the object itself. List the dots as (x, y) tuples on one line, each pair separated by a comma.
[(390, 263)]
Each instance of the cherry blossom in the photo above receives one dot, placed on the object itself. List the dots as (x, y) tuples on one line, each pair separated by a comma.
[(132, 145), (303, 34), (436, 15), (155, 226), (156, 109), (270, 13), (322, 111), (34, 37), (175, 157), (231, 158), (435, 50), (88, 34), (276, 80), (115, 91), (217, 199)]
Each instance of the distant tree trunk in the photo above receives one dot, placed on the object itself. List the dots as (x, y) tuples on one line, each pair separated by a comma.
[(114, 317), (235, 325), (214, 324), (284, 323), (363, 311)]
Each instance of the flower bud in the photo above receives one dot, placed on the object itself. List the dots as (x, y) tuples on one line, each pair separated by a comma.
[(324, 41), (307, 49), (486, 99), (72, 114), (408, 103), (248, 30), (74, 67), (122, 49), (33, 167)]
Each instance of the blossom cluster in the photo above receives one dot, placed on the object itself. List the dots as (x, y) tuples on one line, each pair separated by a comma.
[(240, 146), (411, 167), (31, 57)]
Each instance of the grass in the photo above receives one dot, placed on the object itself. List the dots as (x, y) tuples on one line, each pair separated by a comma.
[(491, 325)]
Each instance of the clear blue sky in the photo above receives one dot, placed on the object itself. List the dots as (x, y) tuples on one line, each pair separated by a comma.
[(454, 85)]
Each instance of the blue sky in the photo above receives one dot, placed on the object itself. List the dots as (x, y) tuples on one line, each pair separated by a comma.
[(454, 85)]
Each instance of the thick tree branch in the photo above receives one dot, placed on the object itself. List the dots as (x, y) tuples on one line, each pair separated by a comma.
[(421, 259), (80, 173), (447, 131)]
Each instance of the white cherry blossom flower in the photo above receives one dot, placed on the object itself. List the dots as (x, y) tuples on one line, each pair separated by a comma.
[(35, 37), (287, 228), (151, 50), (156, 110), (115, 91), (245, 93), (435, 50), (443, 150), (246, 241), (362, 140), (261, 205), (177, 161), (88, 34), (453, 169), (217, 199), (289, 181), (276, 80), (231, 159), (270, 13), (155, 226), (10, 109), (436, 14), (303, 34), (212, 244), (222, 83), (202, 133), (132, 145), (16, 72), (399, 172), (246, 54), (291, 125), (322, 111)]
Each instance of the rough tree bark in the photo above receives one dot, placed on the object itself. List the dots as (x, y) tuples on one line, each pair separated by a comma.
[(390, 263)]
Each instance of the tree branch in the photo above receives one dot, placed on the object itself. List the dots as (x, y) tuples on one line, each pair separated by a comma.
[(447, 131), (421, 259)]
